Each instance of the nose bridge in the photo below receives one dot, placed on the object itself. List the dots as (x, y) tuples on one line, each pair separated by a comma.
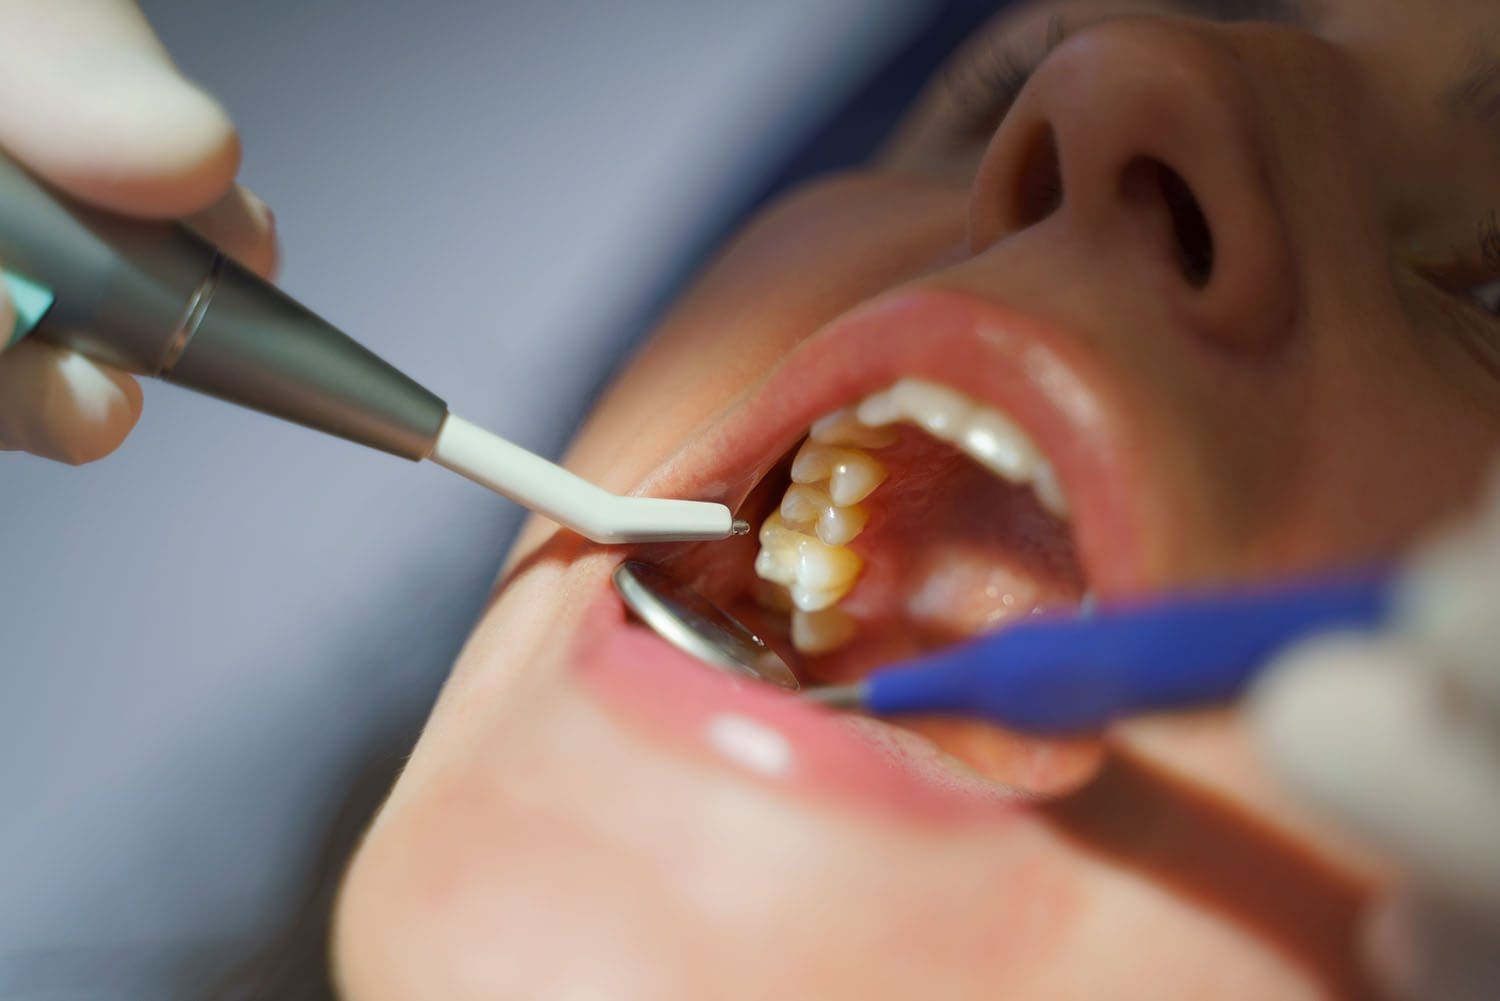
[(1156, 141)]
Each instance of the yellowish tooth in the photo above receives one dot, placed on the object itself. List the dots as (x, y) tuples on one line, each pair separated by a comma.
[(774, 531), (823, 567), (853, 477), (811, 599), (839, 525), (821, 632), (941, 411), (777, 559), (1048, 490), (777, 564), (803, 503), (814, 462), (843, 427)]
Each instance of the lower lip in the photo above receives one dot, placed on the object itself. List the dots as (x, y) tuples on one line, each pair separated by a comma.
[(768, 734)]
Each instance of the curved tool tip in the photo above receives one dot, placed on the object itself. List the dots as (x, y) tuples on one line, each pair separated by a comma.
[(837, 696), (740, 527)]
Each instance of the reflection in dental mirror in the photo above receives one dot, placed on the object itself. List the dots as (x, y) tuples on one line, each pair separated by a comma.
[(698, 627)]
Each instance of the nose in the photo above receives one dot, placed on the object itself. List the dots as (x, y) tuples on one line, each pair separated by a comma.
[(1141, 138)]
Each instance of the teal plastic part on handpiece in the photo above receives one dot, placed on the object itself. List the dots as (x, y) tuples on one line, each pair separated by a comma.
[(30, 302)]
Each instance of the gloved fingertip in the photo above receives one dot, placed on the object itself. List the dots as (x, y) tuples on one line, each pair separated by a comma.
[(176, 150), (105, 405), (1312, 713), (243, 226), (1290, 702), (59, 405), (267, 263), (148, 142)]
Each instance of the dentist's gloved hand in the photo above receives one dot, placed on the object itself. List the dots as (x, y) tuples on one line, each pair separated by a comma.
[(1398, 736), (90, 101)]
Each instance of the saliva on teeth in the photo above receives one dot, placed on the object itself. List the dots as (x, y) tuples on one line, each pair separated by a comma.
[(804, 555)]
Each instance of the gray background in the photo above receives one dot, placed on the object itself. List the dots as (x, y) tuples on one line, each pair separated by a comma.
[(204, 635)]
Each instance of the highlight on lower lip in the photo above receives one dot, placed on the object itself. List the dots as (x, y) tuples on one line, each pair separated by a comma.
[(750, 743), (766, 734)]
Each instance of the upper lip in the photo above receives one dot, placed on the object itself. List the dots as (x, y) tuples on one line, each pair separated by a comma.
[(1029, 370)]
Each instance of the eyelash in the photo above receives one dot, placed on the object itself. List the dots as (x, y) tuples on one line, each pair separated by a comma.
[(986, 87), (1486, 295)]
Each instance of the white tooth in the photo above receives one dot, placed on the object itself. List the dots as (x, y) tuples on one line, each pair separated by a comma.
[(937, 409), (839, 525), (843, 427), (777, 564), (803, 503), (1048, 490), (811, 599), (824, 567), (854, 476), (814, 462), (998, 445), (821, 632), (879, 409)]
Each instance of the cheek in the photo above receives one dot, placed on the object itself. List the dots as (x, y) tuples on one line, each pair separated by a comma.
[(1392, 444), (812, 256)]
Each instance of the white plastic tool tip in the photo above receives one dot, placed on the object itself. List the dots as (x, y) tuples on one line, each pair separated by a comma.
[(569, 499)]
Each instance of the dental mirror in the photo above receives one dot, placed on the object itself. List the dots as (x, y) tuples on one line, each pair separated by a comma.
[(698, 627)]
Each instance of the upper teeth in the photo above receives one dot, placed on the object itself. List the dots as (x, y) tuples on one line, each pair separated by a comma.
[(843, 427), (804, 542), (851, 474), (985, 435)]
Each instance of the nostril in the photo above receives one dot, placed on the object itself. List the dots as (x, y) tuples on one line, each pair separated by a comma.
[(1039, 191), (1192, 239), (1195, 241)]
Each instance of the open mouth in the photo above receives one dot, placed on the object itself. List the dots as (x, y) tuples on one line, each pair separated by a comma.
[(909, 494), (917, 518)]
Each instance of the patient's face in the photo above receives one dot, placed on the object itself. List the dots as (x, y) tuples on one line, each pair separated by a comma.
[(1213, 297)]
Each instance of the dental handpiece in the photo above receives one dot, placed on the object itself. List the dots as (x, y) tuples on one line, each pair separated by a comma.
[(154, 298), (1073, 673)]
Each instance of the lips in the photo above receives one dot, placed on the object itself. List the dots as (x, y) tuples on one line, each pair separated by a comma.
[(1011, 362), (770, 736)]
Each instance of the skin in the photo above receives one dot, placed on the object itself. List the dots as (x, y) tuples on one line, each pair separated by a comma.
[(1326, 398)]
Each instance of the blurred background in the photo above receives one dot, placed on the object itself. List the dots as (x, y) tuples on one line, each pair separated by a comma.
[(214, 636)]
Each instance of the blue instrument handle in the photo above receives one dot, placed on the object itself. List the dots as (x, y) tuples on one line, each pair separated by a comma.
[(1074, 673)]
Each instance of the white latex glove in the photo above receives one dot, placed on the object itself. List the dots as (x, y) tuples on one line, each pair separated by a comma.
[(1398, 736), (90, 101)]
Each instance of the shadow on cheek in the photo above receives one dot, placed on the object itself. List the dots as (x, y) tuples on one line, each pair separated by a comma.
[(1224, 859)]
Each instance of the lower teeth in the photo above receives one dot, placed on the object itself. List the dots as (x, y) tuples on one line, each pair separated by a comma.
[(821, 632)]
